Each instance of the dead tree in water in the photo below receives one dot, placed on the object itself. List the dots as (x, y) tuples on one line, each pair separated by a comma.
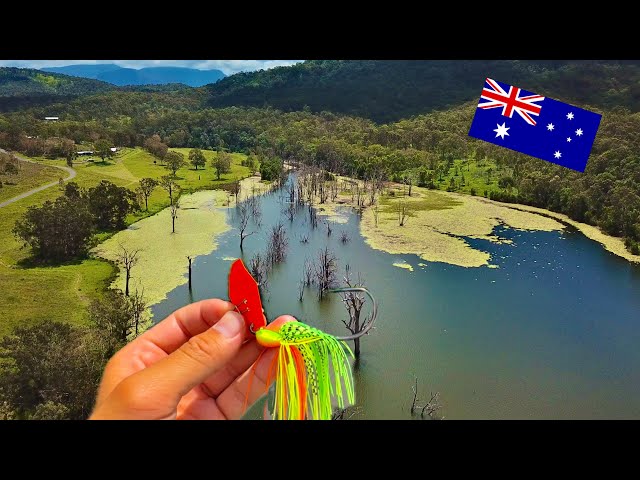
[(243, 215), (430, 408), (329, 230), (291, 191), (345, 413), (325, 270), (277, 245), (255, 209), (235, 188), (174, 214), (259, 270), (308, 272), (138, 307), (128, 258), (190, 259), (344, 237), (354, 302), (290, 211), (313, 217)]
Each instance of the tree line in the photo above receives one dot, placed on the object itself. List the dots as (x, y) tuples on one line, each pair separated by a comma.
[(51, 371), (62, 229), (422, 148)]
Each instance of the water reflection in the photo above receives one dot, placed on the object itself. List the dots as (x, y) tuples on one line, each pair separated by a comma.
[(551, 333)]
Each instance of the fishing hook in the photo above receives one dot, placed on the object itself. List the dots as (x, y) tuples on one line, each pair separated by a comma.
[(374, 311)]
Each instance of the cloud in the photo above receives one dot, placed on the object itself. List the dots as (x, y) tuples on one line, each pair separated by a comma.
[(227, 66)]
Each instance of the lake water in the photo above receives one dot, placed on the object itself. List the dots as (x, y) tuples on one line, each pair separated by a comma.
[(553, 333)]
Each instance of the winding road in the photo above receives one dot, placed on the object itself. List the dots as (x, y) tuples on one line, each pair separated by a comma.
[(70, 171)]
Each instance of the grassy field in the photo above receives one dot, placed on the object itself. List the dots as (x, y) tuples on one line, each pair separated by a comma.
[(467, 175), (29, 176), (32, 294)]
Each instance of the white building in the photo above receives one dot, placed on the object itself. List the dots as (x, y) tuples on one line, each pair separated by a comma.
[(52, 119)]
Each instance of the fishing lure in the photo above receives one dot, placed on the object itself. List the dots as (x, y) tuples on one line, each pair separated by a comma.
[(311, 366)]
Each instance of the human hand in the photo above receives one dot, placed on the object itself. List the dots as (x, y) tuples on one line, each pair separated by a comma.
[(192, 365)]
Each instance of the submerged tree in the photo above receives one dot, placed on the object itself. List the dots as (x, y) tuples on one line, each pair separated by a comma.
[(259, 268), (325, 271), (429, 408), (127, 258), (277, 245), (244, 214), (353, 303), (174, 214)]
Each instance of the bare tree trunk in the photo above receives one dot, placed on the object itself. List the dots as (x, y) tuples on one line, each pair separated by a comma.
[(353, 302), (189, 258), (128, 258)]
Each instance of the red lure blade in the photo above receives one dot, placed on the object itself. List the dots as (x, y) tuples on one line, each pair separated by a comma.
[(244, 294)]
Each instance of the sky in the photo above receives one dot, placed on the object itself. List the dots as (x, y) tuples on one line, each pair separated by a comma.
[(229, 67)]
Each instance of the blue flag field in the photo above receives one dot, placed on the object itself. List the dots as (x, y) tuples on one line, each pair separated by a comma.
[(535, 125)]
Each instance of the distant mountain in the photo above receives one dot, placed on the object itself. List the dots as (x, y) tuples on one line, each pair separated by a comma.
[(145, 76), (24, 87), (86, 71), (388, 90)]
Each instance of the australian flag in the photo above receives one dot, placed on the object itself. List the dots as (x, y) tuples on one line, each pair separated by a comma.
[(535, 125)]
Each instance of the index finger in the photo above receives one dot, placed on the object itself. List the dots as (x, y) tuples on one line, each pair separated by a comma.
[(186, 322)]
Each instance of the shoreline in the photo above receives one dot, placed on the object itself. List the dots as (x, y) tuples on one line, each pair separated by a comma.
[(202, 218), (610, 243), (439, 221)]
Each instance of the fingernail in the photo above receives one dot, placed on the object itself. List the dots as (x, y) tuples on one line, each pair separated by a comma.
[(230, 325)]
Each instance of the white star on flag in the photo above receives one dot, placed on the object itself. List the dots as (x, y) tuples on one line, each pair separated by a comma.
[(569, 139), (550, 127), (579, 132), (502, 130), (570, 116), (557, 154)]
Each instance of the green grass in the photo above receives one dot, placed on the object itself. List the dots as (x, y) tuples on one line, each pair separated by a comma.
[(29, 176), (475, 176), (33, 294), (420, 200), (61, 293)]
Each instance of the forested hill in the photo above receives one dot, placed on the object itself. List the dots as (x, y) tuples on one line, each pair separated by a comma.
[(390, 90), (24, 87)]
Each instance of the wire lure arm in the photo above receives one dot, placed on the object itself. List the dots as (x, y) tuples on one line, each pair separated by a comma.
[(374, 311)]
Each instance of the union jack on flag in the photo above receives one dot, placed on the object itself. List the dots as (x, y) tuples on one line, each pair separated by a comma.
[(495, 97)]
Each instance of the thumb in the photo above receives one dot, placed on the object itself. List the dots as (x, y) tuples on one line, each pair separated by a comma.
[(164, 383)]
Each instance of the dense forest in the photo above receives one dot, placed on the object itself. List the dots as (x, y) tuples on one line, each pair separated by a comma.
[(390, 90), (416, 149), (23, 87)]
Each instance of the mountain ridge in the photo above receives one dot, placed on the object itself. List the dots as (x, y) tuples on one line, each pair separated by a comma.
[(122, 76), (388, 90)]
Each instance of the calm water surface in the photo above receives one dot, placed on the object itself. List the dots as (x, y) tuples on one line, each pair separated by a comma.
[(552, 333)]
